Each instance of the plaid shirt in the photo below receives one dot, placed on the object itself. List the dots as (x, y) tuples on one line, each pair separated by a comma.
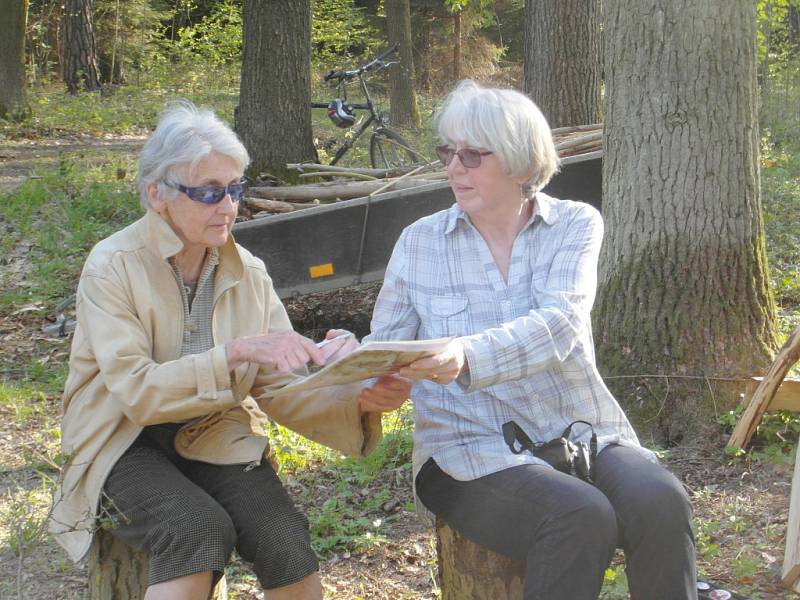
[(528, 340)]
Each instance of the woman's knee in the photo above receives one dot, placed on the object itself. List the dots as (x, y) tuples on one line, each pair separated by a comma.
[(206, 526), (587, 518), (658, 503)]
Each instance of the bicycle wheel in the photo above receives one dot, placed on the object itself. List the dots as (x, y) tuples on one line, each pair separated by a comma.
[(388, 150)]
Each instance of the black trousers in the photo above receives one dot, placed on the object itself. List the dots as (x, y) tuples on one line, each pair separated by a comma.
[(567, 530)]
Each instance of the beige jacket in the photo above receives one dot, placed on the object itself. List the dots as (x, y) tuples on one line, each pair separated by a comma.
[(126, 372)]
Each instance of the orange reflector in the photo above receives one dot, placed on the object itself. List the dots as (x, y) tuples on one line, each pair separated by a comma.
[(321, 270)]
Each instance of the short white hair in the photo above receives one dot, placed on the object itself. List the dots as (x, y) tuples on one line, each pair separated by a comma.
[(184, 136), (504, 121)]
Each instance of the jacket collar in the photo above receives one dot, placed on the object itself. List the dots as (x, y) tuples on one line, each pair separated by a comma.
[(160, 239)]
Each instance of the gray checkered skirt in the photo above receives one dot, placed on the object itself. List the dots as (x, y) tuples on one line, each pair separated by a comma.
[(189, 516)]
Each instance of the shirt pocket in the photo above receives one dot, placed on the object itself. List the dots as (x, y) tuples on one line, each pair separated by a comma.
[(447, 316)]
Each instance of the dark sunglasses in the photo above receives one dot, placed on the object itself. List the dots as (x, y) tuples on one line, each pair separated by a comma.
[(210, 194), (469, 157)]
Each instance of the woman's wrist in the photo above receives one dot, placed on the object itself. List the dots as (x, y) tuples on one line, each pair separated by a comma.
[(233, 353)]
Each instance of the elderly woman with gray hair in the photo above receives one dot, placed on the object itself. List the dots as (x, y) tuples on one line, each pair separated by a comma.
[(180, 344), (510, 273)]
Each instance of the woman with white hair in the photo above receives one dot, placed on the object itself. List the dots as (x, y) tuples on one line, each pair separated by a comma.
[(180, 344), (510, 273)]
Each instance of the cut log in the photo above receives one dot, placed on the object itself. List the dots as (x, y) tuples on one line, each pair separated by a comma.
[(118, 572), (331, 191), (468, 571), (311, 167), (751, 417), (278, 206)]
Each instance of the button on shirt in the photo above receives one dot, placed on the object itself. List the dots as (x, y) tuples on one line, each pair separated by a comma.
[(527, 340)]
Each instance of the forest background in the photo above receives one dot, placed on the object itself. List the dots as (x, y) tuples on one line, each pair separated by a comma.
[(67, 167)]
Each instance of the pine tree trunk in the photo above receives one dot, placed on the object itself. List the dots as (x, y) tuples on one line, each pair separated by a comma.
[(274, 114), (405, 111), (79, 64), (468, 571), (683, 286), (562, 60), (12, 58), (117, 572)]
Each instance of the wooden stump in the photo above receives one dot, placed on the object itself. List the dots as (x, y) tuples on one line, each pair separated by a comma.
[(468, 571), (118, 572)]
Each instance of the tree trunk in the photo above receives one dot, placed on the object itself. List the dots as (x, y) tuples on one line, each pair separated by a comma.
[(274, 114), (79, 63), (562, 60), (468, 571), (457, 46), (405, 111), (117, 572), (683, 288), (12, 58)]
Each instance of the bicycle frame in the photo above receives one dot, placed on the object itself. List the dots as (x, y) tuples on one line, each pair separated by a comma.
[(374, 115)]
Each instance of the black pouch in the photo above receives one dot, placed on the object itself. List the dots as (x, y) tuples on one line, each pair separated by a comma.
[(574, 458)]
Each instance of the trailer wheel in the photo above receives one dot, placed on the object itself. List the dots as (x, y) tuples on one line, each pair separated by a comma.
[(388, 150)]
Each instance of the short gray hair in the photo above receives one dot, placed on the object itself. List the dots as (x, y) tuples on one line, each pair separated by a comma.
[(504, 121), (184, 136)]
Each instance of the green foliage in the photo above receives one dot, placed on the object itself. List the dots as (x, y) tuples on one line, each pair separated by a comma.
[(215, 40), (615, 584), (23, 517), (340, 31), (63, 214)]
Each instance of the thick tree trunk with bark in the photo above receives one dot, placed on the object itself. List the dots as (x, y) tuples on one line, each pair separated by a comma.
[(468, 571), (118, 572), (79, 63), (683, 288), (12, 58), (562, 59), (274, 114), (405, 111)]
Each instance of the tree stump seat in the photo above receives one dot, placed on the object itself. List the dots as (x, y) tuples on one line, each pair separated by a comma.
[(468, 571), (118, 572)]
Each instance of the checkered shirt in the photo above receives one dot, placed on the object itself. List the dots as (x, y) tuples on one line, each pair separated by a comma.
[(528, 340)]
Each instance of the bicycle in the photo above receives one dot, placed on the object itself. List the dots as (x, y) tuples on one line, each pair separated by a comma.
[(387, 148)]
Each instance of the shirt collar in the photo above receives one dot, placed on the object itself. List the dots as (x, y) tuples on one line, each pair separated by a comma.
[(542, 208)]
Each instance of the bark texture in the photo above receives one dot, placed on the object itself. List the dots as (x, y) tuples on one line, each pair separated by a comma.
[(562, 59), (683, 286), (405, 111), (468, 571), (12, 57), (274, 116), (79, 63), (118, 572)]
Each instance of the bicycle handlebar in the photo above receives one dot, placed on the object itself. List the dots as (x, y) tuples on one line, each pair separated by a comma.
[(376, 62)]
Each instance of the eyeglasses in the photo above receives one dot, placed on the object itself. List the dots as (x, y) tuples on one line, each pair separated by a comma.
[(210, 194), (469, 157)]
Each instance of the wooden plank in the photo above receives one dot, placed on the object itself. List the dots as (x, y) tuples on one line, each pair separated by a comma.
[(787, 397), (791, 556), (766, 391)]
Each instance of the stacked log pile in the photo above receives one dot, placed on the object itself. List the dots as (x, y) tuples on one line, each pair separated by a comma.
[(344, 183)]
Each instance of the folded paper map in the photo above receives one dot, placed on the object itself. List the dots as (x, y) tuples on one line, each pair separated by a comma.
[(373, 359)]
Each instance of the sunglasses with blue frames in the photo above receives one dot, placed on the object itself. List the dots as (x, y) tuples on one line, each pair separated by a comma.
[(210, 194)]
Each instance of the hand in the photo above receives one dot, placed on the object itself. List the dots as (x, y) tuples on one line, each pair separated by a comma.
[(388, 393), (285, 351), (343, 343), (441, 368)]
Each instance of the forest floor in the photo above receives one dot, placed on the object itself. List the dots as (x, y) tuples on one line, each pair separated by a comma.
[(741, 505)]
